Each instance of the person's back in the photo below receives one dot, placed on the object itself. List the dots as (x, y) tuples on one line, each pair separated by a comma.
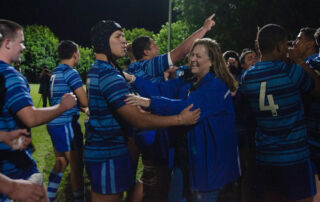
[(273, 90)]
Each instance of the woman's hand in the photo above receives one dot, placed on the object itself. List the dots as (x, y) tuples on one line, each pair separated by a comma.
[(137, 100)]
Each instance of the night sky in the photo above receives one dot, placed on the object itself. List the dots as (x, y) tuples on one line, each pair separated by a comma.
[(72, 19)]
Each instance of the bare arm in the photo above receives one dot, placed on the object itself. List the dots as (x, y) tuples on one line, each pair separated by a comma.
[(21, 190), (183, 49), (150, 121), (32, 116), (81, 96)]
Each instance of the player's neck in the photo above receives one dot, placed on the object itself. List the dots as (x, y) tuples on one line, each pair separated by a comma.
[(67, 62), (100, 56)]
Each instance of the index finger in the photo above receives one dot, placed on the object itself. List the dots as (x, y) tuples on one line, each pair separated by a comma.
[(211, 16)]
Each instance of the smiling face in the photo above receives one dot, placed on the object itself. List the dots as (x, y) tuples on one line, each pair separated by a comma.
[(153, 50), (16, 46), (200, 62), (249, 60), (118, 44)]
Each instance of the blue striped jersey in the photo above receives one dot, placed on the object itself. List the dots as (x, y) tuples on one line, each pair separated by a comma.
[(152, 69), (64, 79), (17, 97), (273, 90), (106, 90), (312, 106)]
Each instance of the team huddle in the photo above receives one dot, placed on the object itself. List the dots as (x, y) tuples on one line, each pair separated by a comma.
[(220, 121)]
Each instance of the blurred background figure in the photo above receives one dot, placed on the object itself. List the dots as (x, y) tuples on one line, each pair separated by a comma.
[(44, 89)]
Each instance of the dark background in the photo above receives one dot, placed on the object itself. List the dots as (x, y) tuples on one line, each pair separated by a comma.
[(72, 19)]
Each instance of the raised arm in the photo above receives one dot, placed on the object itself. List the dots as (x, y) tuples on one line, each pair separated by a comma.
[(183, 49)]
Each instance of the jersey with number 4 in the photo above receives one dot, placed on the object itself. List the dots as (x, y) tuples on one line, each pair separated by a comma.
[(273, 90)]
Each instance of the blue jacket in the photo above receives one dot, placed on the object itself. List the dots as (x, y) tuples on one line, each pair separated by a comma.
[(212, 143)]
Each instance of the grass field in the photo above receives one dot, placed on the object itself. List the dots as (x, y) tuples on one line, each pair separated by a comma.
[(44, 155)]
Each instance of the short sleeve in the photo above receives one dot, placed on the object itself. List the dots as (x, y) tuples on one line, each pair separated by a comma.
[(113, 88)]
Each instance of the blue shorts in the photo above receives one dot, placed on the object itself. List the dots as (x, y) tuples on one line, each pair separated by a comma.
[(66, 137), (295, 182), (113, 176)]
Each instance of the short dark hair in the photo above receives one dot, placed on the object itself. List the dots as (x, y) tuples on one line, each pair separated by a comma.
[(317, 36), (66, 49), (269, 36), (244, 52), (231, 54), (139, 45), (8, 29), (308, 32)]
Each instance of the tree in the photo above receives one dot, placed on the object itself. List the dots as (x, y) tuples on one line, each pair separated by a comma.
[(135, 33), (41, 50), (179, 32), (85, 62), (237, 21)]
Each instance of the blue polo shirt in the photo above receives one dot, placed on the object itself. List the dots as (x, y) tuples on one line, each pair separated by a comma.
[(17, 96), (273, 90), (64, 79), (106, 90), (152, 69)]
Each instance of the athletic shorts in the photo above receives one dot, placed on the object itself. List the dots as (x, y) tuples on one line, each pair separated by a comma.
[(113, 176), (294, 182), (66, 137)]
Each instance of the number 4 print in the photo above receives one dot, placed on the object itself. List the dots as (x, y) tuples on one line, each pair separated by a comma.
[(272, 106)]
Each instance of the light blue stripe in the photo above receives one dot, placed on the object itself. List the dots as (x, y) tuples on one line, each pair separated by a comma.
[(71, 130), (103, 178), (67, 137), (52, 195), (53, 185), (112, 177)]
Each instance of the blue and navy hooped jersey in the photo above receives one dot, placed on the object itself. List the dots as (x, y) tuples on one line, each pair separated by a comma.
[(106, 90), (312, 106), (273, 90), (17, 97), (152, 69), (64, 79)]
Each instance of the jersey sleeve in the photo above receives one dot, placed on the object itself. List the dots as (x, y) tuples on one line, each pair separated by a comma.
[(211, 101), (17, 92), (73, 79), (113, 88), (301, 78), (147, 88)]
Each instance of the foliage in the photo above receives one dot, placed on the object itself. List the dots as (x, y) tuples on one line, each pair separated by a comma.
[(179, 32), (85, 62), (237, 21), (135, 33), (41, 50)]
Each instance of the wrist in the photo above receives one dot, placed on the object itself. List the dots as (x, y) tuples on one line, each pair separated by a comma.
[(10, 187), (180, 122)]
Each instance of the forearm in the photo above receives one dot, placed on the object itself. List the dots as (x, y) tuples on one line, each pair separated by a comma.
[(6, 184), (32, 116), (141, 120), (183, 49)]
